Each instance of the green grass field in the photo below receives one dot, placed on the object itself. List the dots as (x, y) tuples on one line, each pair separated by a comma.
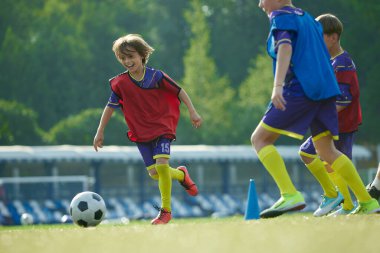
[(289, 233)]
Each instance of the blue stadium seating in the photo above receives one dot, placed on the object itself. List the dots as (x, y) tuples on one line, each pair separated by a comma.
[(203, 205)]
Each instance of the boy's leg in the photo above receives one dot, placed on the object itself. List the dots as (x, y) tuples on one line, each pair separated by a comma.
[(348, 204), (161, 154), (262, 141), (148, 150), (290, 200), (317, 168), (174, 173), (164, 183), (344, 145), (346, 169), (331, 198), (165, 186), (161, 148)]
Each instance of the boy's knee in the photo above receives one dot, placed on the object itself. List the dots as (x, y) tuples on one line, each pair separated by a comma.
[(152, 172), (258, 141), (253, 138), (305, 159)]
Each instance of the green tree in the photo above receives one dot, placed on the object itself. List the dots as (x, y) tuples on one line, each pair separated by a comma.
[(18, 125), (210, 93), (80, 129), (254, 96), (239, 29)]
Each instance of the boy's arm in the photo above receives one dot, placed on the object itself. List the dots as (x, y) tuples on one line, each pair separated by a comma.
[(284, 54), (195, 118), (99, 136)]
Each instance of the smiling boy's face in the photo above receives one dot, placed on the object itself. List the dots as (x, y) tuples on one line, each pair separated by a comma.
[(130, 59)]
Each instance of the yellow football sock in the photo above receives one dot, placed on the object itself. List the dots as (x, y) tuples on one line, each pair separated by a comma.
[(165, 185), (317, 168), (177, 174), (275, 165), (346, 169), (343, 188), (174, 173)]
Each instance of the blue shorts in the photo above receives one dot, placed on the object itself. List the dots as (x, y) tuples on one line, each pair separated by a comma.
[(301, 114), (158, 148), (344, 145)]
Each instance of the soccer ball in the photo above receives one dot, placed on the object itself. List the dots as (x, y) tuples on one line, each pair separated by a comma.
[(26, 219), (87, 209)]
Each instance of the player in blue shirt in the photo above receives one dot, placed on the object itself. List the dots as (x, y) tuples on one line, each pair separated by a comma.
[(303, 98)]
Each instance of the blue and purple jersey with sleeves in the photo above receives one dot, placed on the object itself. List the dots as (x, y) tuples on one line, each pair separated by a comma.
[(310, 58)]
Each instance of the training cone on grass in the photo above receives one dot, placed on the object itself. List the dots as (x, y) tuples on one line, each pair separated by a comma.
[(252, 210)]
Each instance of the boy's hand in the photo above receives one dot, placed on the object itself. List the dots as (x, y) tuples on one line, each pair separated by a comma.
[(277, 98), (98, 141), (196, 119)]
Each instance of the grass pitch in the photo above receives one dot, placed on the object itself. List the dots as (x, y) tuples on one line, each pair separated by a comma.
[(288, 233)]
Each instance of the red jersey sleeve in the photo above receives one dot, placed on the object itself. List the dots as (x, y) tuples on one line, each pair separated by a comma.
[(169, 84)]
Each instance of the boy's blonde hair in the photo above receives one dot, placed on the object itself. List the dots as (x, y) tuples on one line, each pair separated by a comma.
[(134, 41), (331, 24)]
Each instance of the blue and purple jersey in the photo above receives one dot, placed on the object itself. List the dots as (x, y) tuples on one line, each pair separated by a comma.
[(310, 85), (310, 58)]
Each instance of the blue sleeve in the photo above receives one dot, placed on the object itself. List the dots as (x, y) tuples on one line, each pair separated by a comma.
[(113, 101), (345, 98)]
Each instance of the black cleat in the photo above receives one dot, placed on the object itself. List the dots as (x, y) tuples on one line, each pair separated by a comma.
[(373, 191)]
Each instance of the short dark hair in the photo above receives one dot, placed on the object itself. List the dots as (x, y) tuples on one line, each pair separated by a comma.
[(331, 24)]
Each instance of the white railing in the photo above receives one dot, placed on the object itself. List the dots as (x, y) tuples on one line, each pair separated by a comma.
[(85, 181)]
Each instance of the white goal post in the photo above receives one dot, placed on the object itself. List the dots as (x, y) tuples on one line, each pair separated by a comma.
[(86, 181)]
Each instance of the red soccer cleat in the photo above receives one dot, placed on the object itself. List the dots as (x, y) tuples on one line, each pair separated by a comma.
[(187, 183), (163, 217)]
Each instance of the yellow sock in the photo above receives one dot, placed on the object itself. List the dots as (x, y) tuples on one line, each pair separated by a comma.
[(317, 168), (174, 173), (346, 169), (165, 185), (275, 165), (343, 188), (177, 174)]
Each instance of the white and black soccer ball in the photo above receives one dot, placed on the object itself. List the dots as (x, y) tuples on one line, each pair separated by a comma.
[(87, 209), (26, 219)]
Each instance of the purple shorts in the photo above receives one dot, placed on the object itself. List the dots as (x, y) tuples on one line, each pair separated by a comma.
[(344, 145), (157, 148), (301, 114)]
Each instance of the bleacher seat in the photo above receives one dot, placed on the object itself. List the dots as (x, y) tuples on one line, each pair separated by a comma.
[(216, 205)]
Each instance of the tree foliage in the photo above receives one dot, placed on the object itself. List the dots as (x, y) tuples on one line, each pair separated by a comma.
[(210, 93), (80, 129), (56, 59), (19, 125)]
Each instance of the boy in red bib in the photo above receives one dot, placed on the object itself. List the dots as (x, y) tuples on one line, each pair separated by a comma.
[(150, 102)]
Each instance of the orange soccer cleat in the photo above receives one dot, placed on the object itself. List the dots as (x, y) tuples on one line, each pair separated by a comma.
[(189, 185), (163, 217)]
